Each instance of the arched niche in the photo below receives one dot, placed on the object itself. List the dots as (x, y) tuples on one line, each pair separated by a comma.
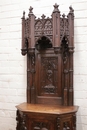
[(43, 43)]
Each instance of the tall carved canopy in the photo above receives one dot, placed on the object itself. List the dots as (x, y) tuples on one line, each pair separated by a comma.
[(49, 44), (55, 29)]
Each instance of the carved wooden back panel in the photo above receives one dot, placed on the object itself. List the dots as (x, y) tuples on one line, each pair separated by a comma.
[(48, 77), (49, 45)]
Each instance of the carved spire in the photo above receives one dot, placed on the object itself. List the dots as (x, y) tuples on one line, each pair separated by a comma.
[(71, 12), (56, 8)]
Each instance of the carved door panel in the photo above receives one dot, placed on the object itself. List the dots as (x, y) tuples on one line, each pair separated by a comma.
[(48, 77)]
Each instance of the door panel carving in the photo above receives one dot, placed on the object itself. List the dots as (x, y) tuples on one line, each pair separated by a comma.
[(48, 75)]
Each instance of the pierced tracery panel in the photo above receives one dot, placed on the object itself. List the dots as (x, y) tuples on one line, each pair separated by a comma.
[(64, 27), (49, 78), (26, 28), (38, 28), (48, 28), (43, 27)]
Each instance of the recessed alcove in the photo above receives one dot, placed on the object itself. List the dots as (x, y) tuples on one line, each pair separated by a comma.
[(43, 43)]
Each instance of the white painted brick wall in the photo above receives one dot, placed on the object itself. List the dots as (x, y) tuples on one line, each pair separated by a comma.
[(13, 64)]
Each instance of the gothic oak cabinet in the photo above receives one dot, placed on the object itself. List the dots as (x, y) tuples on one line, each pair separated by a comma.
[(49, 46)]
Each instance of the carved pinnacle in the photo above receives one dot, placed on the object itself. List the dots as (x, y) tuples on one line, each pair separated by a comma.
[(23, 15), (71, 9), (56, 8), (30, 10)]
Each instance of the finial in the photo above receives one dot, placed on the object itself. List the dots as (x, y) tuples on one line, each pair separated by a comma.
[(71, 9), (23, 15), (56, 8), (43, 16), (30, 10), (63, 15)]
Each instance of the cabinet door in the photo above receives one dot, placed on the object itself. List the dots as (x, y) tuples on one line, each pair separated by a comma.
[(48, 77)]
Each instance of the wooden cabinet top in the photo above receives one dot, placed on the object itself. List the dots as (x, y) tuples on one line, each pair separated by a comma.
[(40, 108)]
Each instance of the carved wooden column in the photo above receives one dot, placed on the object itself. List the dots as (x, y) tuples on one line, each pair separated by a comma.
[(56, 26), (24, 40), (71, 50), (31, 28), (65, 58), (18, 120), (31, 59), (21, 121), (23, 30), (31, 67)]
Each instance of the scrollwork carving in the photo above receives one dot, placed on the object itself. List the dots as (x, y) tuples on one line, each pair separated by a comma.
[(65, 49), (49, 89), (66, 126)]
